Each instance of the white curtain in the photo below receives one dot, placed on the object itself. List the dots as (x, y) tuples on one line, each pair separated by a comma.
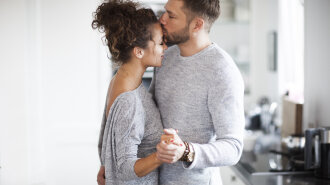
[(291, 48)]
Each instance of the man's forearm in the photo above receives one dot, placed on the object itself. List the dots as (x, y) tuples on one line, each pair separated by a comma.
[(223, 152)]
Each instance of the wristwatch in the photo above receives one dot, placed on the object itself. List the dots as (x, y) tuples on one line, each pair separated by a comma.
[(191, 155)]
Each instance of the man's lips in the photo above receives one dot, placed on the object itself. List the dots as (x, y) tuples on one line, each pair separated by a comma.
[(164, 30)]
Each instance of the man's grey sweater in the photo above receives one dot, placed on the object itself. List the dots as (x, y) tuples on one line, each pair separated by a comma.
[(202, 97)]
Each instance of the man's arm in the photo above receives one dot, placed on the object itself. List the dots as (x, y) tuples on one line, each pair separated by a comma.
[(101, 176), (101, 173), (101, 141), (225, 104)]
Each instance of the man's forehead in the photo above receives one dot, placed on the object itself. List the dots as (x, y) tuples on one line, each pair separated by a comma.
[(174, 6)]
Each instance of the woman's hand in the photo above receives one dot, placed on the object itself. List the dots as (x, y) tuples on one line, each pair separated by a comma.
[(101, 176), (171, 147), (171, 138)]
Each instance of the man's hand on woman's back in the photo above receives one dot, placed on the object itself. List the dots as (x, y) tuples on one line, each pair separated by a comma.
[(101, 176)]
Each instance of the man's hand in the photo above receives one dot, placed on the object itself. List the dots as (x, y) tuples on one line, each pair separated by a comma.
[(101, 176), (171, 147)]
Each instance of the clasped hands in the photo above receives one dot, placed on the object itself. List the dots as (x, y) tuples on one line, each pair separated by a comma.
[(169, 150), (171, 147)]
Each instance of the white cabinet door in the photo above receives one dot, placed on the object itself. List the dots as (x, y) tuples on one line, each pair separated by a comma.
[(229, 177)]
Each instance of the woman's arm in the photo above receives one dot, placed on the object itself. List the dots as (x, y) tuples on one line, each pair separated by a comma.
[(127, 133), (146, 165)]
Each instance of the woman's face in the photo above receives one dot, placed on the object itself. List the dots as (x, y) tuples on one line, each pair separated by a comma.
[(154, 53)]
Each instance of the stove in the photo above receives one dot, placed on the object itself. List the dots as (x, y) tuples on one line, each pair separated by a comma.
[(272, 163)]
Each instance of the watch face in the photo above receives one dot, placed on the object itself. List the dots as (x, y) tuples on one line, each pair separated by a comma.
[(190, 157)]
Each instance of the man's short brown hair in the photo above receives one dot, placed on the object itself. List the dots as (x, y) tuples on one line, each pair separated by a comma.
[(209, 10)]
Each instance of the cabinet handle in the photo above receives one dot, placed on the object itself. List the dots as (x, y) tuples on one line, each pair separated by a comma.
[(233, 178)]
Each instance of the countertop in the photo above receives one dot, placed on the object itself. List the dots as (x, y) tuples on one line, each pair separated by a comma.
[(246, 170)]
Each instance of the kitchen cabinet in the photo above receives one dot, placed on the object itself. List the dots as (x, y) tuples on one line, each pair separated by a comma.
[(229, 177)]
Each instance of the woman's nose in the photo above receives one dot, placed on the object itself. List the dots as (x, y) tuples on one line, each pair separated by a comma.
[(162, 19)]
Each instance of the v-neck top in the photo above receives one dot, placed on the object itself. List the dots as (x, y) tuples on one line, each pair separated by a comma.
[(131, 131)]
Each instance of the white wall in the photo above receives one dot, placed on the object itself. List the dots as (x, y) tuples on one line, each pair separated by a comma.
[(232, 37), (54, 74), (317, 63), (264, 19), (13, 135)]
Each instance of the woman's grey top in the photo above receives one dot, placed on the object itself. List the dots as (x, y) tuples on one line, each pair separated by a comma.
[(131, 131)]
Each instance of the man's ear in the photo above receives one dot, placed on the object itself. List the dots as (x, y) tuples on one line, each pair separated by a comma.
[(198, 24), (138, 52)]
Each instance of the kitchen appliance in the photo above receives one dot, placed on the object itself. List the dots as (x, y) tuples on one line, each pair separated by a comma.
[(319, 158), (291, 155), (285, 161), (295, 143), (281, 157), (271, 163), (262, 116)]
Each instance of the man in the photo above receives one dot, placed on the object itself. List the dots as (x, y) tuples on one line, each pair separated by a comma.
[(199, 91)]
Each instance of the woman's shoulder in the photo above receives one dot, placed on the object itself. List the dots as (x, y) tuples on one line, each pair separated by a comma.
[(126, 99), (123, 93)]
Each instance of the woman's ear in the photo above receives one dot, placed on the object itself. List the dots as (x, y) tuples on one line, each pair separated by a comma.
[(138, 52)]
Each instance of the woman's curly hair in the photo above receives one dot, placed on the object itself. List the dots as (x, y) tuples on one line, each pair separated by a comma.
[(125, 26)]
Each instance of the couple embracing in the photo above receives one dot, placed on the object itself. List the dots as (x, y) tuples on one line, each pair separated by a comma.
[(191, 120)]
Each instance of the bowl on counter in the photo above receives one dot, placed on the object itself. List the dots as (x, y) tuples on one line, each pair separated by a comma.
[(249, 139)]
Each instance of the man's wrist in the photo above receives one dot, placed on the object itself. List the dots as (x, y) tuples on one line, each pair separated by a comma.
[(185, 153), (189, 153)]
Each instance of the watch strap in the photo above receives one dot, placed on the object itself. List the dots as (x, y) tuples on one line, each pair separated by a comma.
[(186, 152)]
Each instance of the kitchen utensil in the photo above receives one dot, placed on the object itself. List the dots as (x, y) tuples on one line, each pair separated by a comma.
[(294, 143), (319, 160)]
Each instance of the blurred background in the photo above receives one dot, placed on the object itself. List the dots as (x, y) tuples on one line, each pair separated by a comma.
[(54, 74)]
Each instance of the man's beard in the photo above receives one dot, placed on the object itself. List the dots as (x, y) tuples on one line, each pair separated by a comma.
[(178, 37)]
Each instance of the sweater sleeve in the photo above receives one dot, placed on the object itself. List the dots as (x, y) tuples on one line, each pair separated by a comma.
[(225, 104), (128, 133)]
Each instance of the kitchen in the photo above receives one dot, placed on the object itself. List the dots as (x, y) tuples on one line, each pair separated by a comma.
[(47, 61)]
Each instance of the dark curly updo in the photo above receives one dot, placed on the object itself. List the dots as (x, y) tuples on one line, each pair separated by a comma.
[(125, 26)]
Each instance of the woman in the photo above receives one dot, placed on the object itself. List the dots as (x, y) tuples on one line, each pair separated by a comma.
[(131, 126)]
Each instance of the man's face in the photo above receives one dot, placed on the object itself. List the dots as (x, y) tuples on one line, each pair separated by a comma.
[(174, 22)]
